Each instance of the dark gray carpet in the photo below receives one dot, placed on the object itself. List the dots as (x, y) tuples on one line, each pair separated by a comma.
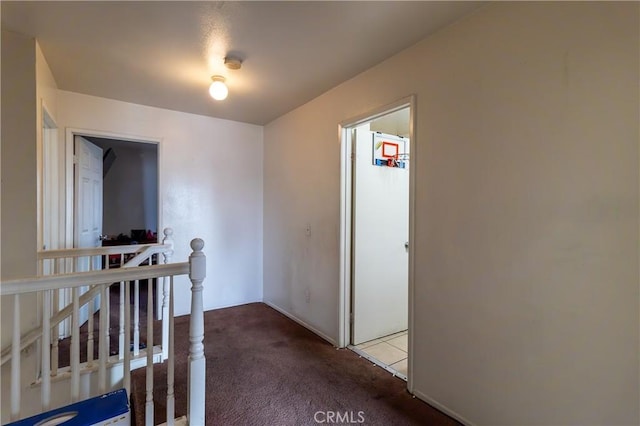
[(264, 369)]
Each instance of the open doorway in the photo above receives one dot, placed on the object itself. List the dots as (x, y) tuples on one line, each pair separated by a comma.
[(129, 201), (125, 202), (376, 229), (130, 191)]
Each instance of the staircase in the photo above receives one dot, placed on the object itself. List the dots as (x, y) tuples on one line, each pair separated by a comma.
[(32, 373)]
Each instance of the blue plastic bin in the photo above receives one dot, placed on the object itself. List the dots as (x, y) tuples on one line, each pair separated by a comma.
[(109, 409)]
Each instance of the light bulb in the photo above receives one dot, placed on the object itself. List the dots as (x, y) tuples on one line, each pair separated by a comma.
[(218, 90)]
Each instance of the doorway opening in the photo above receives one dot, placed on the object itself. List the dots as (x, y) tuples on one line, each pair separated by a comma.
[(130, 202), (130, 191), (131, 185), (376, 216), (112, 195)]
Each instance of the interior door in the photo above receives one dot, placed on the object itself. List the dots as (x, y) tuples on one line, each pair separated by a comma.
[(380, 260), (87, 207)]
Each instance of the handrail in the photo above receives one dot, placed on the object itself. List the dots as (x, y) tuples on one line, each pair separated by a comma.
[(79, 279), (144, 252), (47, 369), (97, 251)]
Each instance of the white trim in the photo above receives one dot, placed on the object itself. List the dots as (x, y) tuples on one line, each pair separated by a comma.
[(96, 251), (344, 308), (412, 227), (379, 112), (46, 127), (302, 323), (449, 412), (101, 276), (344, 294)]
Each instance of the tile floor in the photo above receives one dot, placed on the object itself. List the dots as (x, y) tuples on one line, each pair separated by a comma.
[(390, 351)]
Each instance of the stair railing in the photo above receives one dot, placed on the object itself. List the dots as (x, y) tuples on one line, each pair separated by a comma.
[(99, 282), (52, 262)]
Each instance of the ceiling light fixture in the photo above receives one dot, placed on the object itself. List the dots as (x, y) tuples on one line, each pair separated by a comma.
[(232, 63), (218, 89)]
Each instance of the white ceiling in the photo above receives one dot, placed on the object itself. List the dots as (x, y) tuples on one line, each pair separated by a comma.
[(163, 54)]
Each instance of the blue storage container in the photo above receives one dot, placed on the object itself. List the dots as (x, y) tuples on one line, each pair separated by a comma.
[(109, 409)]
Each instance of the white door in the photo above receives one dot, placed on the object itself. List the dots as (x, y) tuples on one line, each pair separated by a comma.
[(87, 206), (380, 231)]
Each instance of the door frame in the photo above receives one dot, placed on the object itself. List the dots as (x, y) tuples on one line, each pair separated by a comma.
[(69, 181), (50, 159), (346, 200)]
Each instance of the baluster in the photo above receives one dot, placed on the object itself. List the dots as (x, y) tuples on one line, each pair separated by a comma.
[(107, 295), (170, 363), (103, 340), (197, 363), (108, 320), (46, 350), (91, 309), (121, 331), (149, 394), (75, 347), (90, 335), (167, 255), (136, 318), (56, 328), (127, 338), (159, 288), (15, 360)]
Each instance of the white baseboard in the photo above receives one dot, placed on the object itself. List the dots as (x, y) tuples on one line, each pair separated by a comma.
[(301, 322), (443, 408)]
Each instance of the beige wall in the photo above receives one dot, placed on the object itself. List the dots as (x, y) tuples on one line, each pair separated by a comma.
[(210, 173), (526, 223), (22, 79), (18, 155), (19, 184)]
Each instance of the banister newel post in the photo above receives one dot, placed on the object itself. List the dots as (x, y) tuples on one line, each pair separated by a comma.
[(197, 364)]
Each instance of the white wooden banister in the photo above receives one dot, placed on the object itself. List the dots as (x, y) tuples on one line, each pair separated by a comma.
[(101, 251), (98, 282), (141, 254), (79, 279), (170, 361), (197, 364), (61, 280)]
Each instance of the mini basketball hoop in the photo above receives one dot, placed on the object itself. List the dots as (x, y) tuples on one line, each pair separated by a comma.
[(390, 151)]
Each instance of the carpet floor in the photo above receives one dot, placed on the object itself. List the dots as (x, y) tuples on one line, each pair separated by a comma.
[(265, 369), (64, 345)]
